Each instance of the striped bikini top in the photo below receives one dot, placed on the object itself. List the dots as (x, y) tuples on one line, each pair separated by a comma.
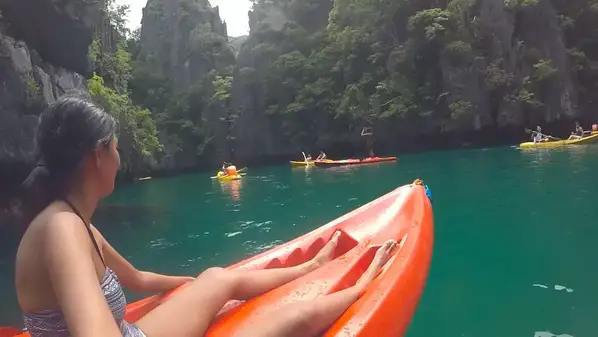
[(51, 323)]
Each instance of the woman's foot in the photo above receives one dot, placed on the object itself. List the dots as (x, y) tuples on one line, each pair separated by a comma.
[(380, 259), (326, 254)]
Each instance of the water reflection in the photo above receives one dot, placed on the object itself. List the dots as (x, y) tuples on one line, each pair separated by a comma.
[(306, 170), (537, 156), (232, 189)]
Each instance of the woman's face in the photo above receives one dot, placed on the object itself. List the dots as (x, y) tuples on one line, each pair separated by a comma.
[(107, 164)]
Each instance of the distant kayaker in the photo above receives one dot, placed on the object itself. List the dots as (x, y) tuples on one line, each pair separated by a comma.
[(68, 277), (322, 156), (578, 131), (537, 135), (229, 169)]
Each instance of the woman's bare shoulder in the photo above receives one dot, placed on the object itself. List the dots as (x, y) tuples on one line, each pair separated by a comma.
[(56, 225)]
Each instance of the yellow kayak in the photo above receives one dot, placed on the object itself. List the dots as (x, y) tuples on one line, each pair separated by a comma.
[(223, 177), (593, 138), (302, 163), (310, 163)]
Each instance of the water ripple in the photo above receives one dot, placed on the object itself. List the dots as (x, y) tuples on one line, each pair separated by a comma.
[(162, 243)]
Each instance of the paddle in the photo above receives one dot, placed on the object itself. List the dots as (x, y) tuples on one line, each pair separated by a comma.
[(541, 134)]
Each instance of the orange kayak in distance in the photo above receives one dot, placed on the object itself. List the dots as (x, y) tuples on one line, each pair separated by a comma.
[(389, 303), (368, 160)]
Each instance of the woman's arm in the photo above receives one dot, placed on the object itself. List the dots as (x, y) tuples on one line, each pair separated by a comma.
[(134, 279), (66, 250)]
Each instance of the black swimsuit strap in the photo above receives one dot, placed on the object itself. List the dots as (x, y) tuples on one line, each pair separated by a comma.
[(88, 227)]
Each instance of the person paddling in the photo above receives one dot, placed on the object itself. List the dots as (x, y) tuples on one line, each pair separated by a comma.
[(578, 133), (322, 156), (537, 135)]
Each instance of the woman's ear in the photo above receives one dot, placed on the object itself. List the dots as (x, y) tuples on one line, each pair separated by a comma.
[(98, 155)]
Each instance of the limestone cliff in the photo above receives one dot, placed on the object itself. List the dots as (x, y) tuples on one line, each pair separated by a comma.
[(514, 47), (445, 73), (31, 77), (258, 136), (173, 40), (43, 50), (183, 51)]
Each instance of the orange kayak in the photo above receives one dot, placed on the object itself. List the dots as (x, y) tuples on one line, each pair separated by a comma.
[(387, 306), (368, 160)]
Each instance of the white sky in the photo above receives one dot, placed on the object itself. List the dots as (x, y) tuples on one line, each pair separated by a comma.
[(234, 12)]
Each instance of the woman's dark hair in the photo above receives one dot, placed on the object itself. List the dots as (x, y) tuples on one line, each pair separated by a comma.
[(68, 130)]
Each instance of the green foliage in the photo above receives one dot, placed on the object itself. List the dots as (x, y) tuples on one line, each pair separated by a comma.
[(460, 109), (432, 23), (33, 89), (138, 129), (222, 88), (496, 77), (520, 4), (139, 141), (544, 71)]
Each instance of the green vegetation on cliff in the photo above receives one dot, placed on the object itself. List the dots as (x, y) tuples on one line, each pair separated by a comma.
[(138, 138), (312, 74), (182, 71), (415, 68)]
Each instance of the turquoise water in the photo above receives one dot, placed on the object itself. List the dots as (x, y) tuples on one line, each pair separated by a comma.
[(514, 247)]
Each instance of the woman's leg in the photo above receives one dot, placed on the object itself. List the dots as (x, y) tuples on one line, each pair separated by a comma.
[(190, 312), (311, 318)]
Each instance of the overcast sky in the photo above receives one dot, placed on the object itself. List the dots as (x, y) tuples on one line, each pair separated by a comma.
[(234, 12)]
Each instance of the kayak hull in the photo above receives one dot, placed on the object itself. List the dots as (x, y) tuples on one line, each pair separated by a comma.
[(343, 162), (389, 303), (593, 138), (228, 178)]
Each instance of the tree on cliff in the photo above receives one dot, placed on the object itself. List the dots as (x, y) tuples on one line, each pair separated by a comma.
[(138, 139)]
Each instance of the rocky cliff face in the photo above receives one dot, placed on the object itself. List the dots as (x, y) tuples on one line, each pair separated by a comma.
[(173, 40), (517, 45), (481, 68), (33, 78), (184, 49), (258, 136), (60, 31), (43, 47)]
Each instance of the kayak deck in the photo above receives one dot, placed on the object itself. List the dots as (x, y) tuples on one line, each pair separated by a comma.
[(390, 301)]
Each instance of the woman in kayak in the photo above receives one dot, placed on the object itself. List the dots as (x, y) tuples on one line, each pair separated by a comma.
[(68, 277), (321, 156), (578, 131), (537, 135)]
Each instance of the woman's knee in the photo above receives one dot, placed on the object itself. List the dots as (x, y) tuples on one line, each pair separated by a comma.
[(222, 277)]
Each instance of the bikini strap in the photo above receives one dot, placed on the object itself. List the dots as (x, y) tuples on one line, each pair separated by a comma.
[(88, 227)]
